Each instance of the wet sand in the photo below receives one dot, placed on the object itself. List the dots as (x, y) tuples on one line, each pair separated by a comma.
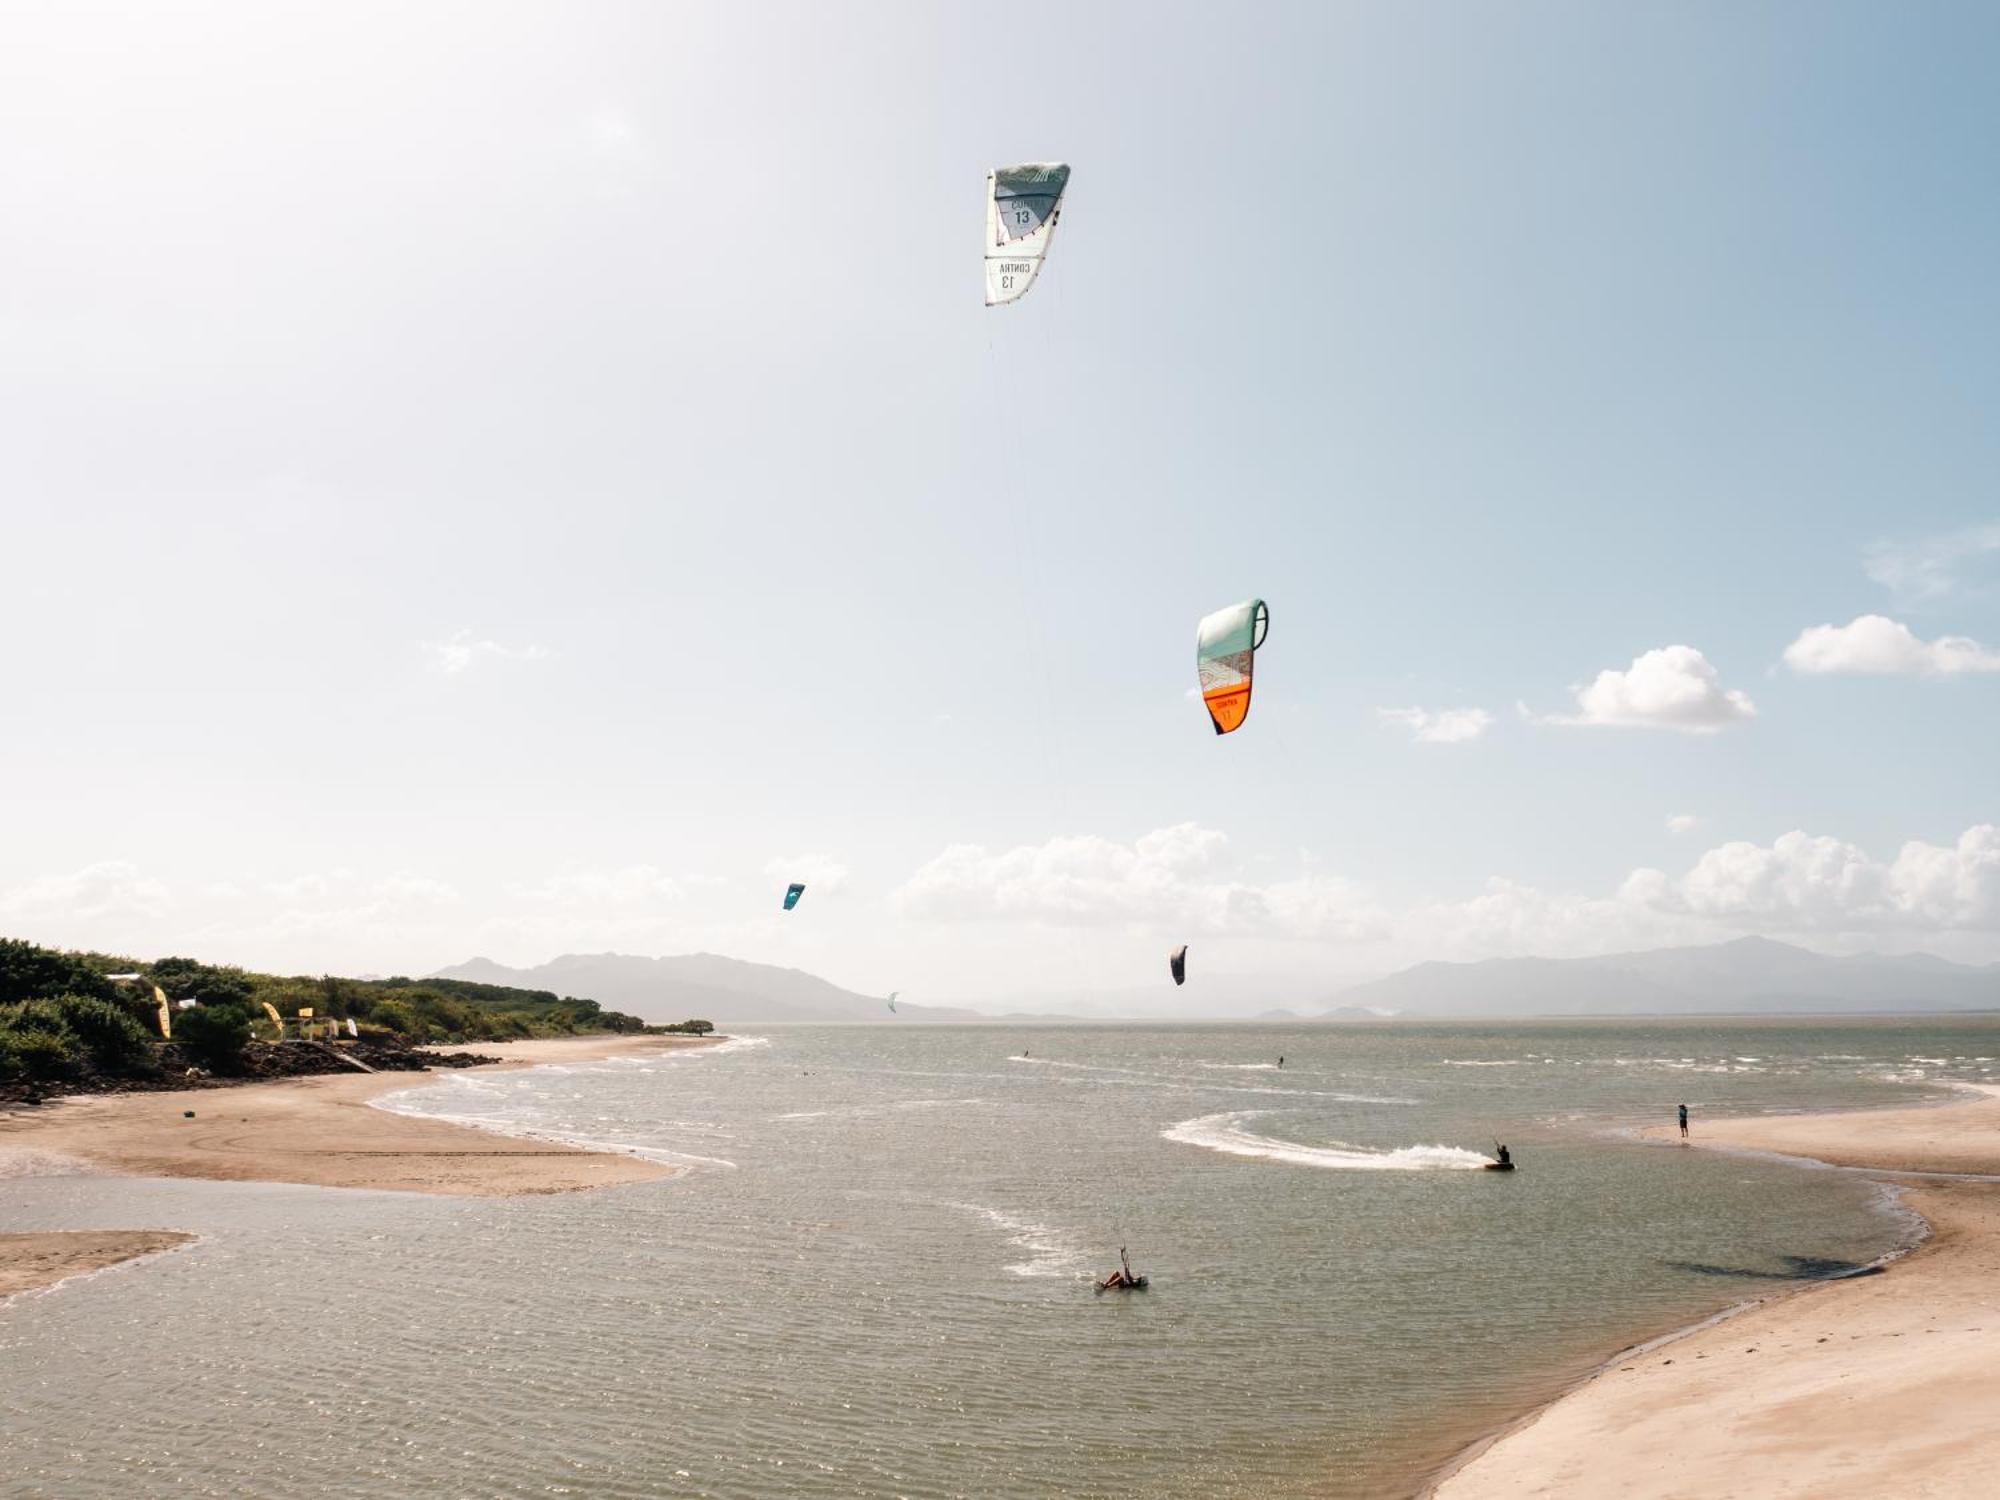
[(29, 1262), (1876, 1386), (322, 1131)]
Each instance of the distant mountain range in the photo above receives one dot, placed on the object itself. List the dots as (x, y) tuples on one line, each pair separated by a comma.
[(1750, 976), (727, 991)]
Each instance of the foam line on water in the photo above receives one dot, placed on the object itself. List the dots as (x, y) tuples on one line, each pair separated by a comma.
[(1050, 1252), (1104, 1073), (1226, 1133), (516, 1129)]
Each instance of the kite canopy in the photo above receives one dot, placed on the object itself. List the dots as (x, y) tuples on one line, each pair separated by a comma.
[(1225, 644), (892, 1000), (1177, 961), (792, 894), (1022, 206)]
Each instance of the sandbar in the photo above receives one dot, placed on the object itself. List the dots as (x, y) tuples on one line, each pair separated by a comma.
[(41, 1258), (322, 1131), (1874, 1386)]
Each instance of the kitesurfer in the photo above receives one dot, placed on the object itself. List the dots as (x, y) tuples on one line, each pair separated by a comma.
[(1122, 1278), (1684, 1122), (1505, 1159)]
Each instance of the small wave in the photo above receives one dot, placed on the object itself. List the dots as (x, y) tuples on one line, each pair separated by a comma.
[(401, 1104), (870, 1111), (719, 1049), (1225, 1133), (1051, 1254), (1504, 1062), (1242, 1067), (1133, 1078)]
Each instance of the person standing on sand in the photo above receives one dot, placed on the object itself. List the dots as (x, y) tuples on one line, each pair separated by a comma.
[(1684, 1122)]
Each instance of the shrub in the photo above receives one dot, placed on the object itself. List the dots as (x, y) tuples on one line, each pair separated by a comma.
[(29, 972), (214, 1036), (114, 1041), (206, 984), (35, 1051), (400, 1019)]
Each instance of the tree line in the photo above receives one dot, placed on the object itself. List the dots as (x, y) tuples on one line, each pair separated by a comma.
[(62, 1015)]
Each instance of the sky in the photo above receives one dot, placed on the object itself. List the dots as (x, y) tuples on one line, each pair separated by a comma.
[(520, 479)]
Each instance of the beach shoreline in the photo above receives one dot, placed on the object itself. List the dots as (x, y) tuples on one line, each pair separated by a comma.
[(1874, 1385), (320, 1131), (40, 1260)]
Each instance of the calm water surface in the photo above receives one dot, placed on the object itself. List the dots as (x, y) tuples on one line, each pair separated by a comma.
[(873, 1279)]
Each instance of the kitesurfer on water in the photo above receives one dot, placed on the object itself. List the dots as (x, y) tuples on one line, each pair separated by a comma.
[(1120, 1278), (1505, 1159)]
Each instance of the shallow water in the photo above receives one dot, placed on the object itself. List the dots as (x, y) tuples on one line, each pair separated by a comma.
[(873, 1279)]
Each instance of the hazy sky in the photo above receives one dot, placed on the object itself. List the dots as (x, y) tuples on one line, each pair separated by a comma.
[(514, 479)]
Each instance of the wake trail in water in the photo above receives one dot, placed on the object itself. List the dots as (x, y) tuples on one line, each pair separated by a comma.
[(1226, 1133), (1050, 1251)]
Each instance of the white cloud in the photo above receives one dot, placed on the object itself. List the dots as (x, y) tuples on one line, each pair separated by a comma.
[(461, 651), (1933, 567), (1683, 823), (1876, 645), (821, 873), (1673, 687), (1444, 726), (629, 886), (1807, 883), (108, 891), (1181, 882), (413, 890), (1169, 880)]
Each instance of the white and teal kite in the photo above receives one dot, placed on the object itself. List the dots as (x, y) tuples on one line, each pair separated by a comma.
[(1022, 206)]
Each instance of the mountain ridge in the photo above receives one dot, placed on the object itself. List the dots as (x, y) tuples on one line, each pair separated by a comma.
[(1744, 976), (711, 986)]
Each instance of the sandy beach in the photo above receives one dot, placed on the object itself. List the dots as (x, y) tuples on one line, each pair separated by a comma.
[(319, 1130), (1879, 1385)]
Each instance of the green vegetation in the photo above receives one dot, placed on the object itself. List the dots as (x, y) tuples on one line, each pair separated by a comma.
[(214, 1036), (61, 1016), (689, 1028), (60, 1036)]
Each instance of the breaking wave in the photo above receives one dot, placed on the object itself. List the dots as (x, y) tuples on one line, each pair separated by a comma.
[(1226, 1133)]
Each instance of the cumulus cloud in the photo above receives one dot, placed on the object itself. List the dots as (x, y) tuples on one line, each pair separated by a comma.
[(1182, 882), (1674, 687), (1170, 879), (1932, 567), (1443, 726), (1875, 645), (1683, 823), (1816, 883), (110, 890), (461, 651), (628, 886), (821, 873)]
